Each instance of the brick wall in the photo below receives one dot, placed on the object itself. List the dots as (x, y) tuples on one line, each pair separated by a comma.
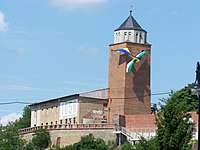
[(129, 94), (140, 121)]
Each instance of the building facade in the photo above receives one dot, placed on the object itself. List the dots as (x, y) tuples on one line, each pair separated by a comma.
[(90, 107)]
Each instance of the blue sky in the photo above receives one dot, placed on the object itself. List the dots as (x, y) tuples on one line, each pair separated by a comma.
[(53, 48)]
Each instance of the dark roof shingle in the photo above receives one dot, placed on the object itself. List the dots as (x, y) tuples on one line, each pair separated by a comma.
[(130, 24)]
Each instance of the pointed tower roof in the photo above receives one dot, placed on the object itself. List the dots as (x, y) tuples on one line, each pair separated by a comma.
[(130, 24)]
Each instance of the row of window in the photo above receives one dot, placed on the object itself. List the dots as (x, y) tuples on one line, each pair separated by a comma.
[(50, 108), (47, 110), (64, 121), (138, 36), (125, 33)]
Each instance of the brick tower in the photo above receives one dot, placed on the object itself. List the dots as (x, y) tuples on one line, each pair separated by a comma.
[(129, 94)]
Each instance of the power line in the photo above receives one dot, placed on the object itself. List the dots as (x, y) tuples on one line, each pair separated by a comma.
[(154, 94), (14, 103), (27, 103)]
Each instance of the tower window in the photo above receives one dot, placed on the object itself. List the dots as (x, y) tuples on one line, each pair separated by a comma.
[(136, 37), (141, 38), (125, 36)]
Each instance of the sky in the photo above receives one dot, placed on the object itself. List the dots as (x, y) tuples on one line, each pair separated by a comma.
[(53, 48)]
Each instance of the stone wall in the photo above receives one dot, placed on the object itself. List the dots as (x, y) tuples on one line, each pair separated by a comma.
[(67, 137)]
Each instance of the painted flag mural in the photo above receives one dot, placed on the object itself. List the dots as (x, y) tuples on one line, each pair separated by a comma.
[(135, 59)]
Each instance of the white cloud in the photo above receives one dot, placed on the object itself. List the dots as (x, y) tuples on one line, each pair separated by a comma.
[(3, 23), (72, 4), (9, 118)]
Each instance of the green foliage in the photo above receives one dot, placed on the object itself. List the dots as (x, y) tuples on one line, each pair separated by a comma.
[(126, 146), (174, 128), (25, 121), (88, 142), (41, 139), (187, 98), (144, 144), (57, 148), (9, 139), (29, 146)]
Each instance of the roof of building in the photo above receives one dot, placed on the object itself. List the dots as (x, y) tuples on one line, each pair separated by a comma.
[(55, 99), (97, 94), (130, 24)]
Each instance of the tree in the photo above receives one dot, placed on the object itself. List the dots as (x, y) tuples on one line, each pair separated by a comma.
[(9, 138), (25, 120), (88, 142), (126, 146), (174, 127), (147, 144), (186, 97), (41, 139)]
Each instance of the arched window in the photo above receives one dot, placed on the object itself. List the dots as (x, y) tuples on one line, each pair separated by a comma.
[(125, 36), (129, 35), (136, 37), (140, 38), (58, 141)]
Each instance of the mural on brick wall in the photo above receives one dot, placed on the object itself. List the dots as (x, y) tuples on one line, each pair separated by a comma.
[(135, 59)]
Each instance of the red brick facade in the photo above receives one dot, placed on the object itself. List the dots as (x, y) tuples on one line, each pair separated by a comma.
[(140, 122), (129, 94)]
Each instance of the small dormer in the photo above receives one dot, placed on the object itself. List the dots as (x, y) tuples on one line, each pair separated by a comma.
[(130, 31)]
